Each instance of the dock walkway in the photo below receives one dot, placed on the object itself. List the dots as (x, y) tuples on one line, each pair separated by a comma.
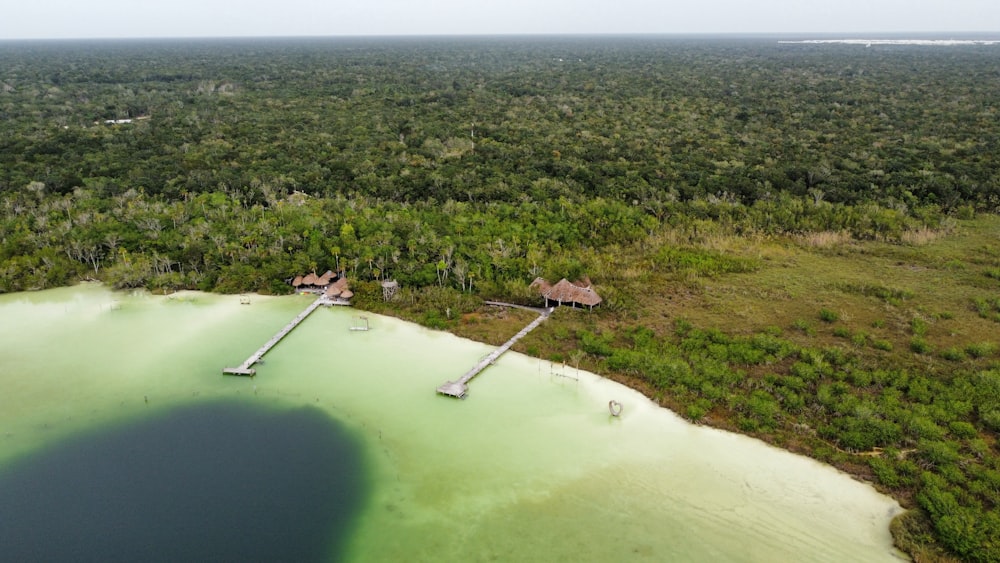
[(460, 387), (246, 367), (538, 310)]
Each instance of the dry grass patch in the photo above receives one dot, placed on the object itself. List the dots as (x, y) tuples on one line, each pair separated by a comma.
[(923, 236), (825, 239)]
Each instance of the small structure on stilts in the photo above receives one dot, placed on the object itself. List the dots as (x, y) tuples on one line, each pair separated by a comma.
[(389, 289), (565, 292), (360, 323)]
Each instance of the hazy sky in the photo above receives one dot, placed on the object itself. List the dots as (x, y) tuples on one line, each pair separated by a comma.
[(220, 18)]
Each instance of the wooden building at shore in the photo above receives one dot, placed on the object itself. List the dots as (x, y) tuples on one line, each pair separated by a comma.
[(333, 286), (565, 292)]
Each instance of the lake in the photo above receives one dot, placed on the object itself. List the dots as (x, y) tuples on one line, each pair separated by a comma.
[(339, 448)]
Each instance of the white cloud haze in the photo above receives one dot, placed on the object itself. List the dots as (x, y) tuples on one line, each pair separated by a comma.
[(224, 18)]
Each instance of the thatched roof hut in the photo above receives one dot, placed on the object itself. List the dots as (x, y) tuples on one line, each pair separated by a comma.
[(339, 289), (565, 292), (331, 285)]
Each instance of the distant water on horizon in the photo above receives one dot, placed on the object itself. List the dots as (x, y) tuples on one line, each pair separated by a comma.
[(508, 38)]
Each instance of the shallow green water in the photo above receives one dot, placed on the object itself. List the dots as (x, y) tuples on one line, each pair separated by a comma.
[(530, 467)]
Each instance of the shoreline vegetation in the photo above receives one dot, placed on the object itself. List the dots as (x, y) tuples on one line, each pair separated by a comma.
[(794, 243)]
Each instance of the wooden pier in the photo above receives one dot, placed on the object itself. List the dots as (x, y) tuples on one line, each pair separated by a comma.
[(460, 387), (246, 368)]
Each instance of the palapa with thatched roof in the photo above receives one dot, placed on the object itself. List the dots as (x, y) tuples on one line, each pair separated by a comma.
[(312, 282), (331, 285), (339, 289), (565, 292)]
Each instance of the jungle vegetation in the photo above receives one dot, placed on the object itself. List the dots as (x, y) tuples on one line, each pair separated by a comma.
[(794, 242)]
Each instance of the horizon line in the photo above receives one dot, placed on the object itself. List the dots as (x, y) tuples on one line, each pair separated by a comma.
[(846, 34)]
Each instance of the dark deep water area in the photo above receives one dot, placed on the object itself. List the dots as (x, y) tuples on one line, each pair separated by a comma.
[(219, 481)]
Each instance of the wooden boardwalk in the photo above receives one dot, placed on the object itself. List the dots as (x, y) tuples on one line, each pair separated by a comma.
[(539, 310), (246, 367), (460, 387)]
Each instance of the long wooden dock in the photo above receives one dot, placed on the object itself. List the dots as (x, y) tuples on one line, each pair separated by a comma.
[(246, 368), (460, 387)]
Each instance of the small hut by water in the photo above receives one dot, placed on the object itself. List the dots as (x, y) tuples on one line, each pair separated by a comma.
[(333, 286), (310, 282), (339, 289), (326, 278), (565, 292)]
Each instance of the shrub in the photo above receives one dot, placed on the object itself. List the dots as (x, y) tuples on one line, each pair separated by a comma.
[(842, 332), (859, 338), (861, 378), (775, 347), (919, 326), (991, 418), (745, 353), (962, 429), (804, 371), (890, 295), (682, 327), (881, 344), (698, 409), (432, 319), (953, 354), (804, 327), (884, 472), (981, 349), (594, 344), (987, 308), (828, 316), (938, 453), (920, 346), (772, 331), (835, 356), (746, 424)]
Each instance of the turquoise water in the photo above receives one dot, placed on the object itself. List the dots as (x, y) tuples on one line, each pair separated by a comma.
[(530, 467)]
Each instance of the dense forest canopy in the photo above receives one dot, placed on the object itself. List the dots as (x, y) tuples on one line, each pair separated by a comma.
[(465, 167), (489, 119), (616, 132)]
